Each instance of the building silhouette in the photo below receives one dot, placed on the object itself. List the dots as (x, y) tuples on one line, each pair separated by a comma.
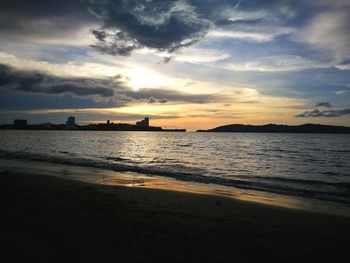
[(70, 123), (143, 123), (20, 124)]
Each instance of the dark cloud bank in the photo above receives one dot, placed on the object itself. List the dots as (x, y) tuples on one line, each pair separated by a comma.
[(114, 91), (324, 109), (165, 25), (323, 105), (325, 113), (121, 26)]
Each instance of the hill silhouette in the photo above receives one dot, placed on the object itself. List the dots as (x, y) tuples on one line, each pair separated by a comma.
[(275, 128)]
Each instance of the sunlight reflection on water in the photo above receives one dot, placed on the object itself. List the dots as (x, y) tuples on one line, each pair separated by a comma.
[(308, 165)]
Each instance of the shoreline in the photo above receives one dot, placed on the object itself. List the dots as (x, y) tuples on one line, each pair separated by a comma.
[(100, 176), (59, 220)]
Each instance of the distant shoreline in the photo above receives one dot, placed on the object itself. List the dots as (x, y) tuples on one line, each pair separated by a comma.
[(83, 128), (274, 128), (232, 128), (143, 125), (179, 130)]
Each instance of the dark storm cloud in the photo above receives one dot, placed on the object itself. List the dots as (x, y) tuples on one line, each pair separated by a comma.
[(158, 24), (325, 113), (169, 25), (323, 105), (35, 82), (43, 18), (121, 44), (121, 26), (324, 109), (113, 91), (100, 35), (125, 25), (22, 101)]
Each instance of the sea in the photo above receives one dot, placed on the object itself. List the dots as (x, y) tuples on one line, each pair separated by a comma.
[(307, 170)]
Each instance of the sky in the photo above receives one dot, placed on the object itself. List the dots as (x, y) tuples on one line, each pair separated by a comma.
[(191, 64)]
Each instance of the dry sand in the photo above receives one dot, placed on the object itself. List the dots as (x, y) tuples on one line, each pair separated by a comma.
[(49, 219)]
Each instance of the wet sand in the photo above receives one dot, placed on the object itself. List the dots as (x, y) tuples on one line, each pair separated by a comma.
[(49, 219)]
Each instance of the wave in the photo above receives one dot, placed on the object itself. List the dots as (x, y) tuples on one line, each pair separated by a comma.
[(339, 151), (315, 183), (320, 190), (118, 159)]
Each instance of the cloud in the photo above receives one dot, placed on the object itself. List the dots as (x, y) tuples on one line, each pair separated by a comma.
[(277, 63), (118, 43), (343, 66), (159, 24), (113, 90), (119, 27), (255, 21), (256, 11), (340, 92), (251, 33), (323, 105), (324, 113), (46, 21), (164, 95), (35, 82), (100, 35), (74, 68), (198, 55), (329, 29)]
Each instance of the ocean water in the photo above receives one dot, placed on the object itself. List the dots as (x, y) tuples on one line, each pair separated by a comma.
[(311, 166)]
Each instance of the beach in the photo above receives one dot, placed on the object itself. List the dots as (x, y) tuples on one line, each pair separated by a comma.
[(174, 131), (46, 218)]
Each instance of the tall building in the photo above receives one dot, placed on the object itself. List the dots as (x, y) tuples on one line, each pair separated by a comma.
[(143, 123), (70, 123), (146, 121)]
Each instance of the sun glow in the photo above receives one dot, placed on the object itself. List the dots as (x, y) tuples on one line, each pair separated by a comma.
[(146, 78)]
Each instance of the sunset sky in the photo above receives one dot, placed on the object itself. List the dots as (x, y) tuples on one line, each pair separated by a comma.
[(187, 63)]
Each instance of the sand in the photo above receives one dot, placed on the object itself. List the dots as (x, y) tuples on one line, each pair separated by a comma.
[(49, 219)]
